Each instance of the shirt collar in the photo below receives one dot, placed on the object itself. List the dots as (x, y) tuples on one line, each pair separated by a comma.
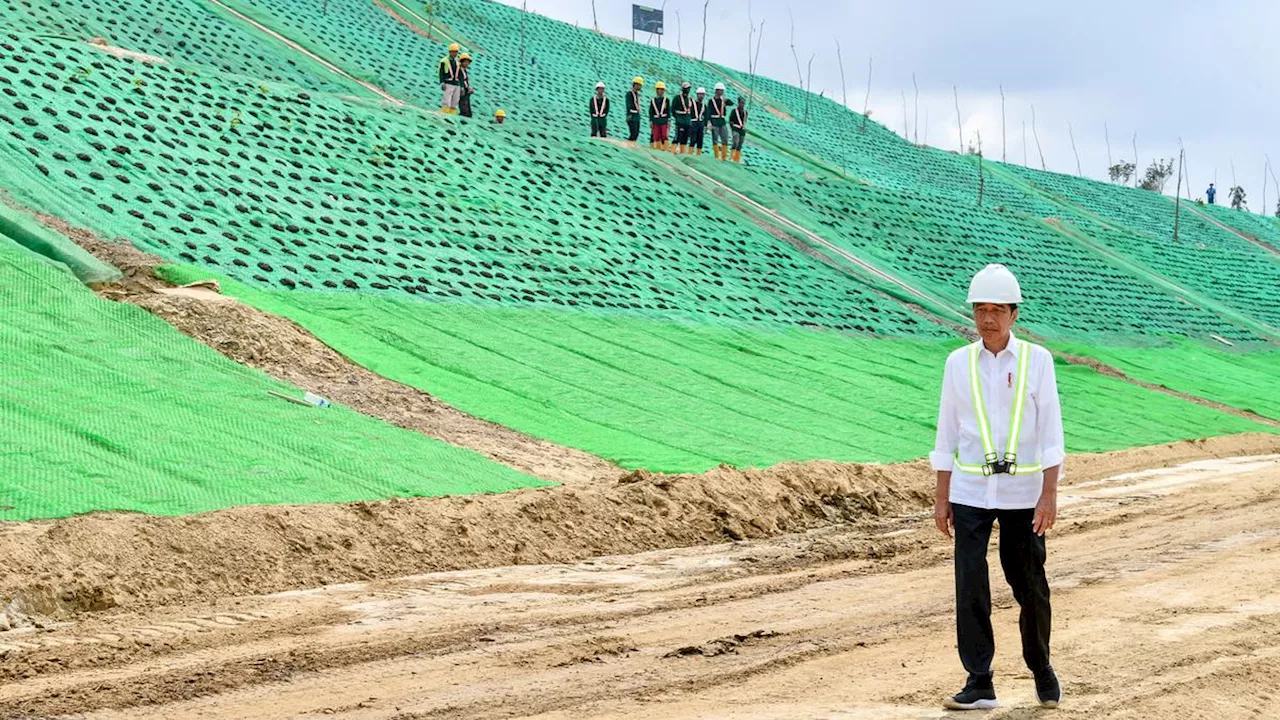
[(1013, 348)]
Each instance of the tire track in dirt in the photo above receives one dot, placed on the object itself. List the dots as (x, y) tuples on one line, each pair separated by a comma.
[(441, 645)]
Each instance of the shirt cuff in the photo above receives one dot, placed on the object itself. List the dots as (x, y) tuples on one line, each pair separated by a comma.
[(1049, 457), (942, 462)]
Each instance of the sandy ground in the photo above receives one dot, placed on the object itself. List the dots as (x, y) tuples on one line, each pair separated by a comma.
[(1166, 604)]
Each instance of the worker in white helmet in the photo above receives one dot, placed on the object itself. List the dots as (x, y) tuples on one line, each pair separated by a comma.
[(698, 121), (451, 80), (998, 455), (599, 109), (718, 116)]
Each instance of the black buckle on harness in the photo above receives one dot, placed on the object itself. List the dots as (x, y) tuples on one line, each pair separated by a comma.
[(1001, 467)]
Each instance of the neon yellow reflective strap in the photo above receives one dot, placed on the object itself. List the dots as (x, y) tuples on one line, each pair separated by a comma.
[(979, 405), (1015, 425), (984, 425)]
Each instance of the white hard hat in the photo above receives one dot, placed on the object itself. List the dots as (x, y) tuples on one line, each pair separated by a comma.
[(599, 86), (719, 86), (685, 84), (995, 284), (702, 91)]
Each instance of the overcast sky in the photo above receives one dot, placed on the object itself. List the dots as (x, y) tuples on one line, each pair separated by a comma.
[(1202, 71)]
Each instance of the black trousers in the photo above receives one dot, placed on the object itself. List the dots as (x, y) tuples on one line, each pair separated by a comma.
[(682, 134), (1022, 555), (696, 133), (633, 127), (600, 127)]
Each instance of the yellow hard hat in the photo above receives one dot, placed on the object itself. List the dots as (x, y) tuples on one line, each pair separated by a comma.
[(454, 47), (637, 80), (500, 113), (660, 86), (464, 56)]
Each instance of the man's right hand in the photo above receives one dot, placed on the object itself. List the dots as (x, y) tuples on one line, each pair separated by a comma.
[(942, 517)]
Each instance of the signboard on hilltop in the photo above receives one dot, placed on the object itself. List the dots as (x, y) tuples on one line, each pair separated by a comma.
[(646, 19)]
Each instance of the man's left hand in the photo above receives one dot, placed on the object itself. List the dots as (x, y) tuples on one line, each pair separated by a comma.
[(1046, 512)]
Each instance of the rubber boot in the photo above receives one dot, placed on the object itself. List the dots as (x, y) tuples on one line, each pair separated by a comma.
[(699, 151), (716, 150), (737, 156)]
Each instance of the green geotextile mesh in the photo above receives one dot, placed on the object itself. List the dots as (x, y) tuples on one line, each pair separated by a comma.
[(315, 193), (674, 396), (1246, 380), (190, 32), (26, 231), (937, 246), (106, 407)]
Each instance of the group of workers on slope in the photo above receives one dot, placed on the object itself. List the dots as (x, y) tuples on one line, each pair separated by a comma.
[(692, 114), (455, 83)]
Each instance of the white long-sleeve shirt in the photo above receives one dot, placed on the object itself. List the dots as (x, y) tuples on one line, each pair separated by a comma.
[(1040, 438)]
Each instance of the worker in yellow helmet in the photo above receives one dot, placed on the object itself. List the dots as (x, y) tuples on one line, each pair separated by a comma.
[(451, 80), (500, 117), (633, 109), (660, 118)]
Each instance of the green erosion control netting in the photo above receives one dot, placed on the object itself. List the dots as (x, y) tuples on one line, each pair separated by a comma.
[(581, 291), (25, 230), (938, 246), (1246, 380), (304, 193), (106, 407), (675, 396), (188, 32)]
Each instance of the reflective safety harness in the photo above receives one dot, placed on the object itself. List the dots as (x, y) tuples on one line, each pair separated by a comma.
[(697, 111), (599, 106), (718, 108), (660, 107), (991, 465)]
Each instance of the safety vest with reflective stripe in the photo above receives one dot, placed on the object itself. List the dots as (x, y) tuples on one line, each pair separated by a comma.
[(698, 111), (987, 468)]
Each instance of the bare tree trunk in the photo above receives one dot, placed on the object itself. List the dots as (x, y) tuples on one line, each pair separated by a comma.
[(844, 86), (705, 5), (866, 101), (906, 128), (1273, 178), (679, 39), (1265, 167), (809, 84), (1177, 196), (1186, 167), (926, 126), (594, 19), (1136, 165), (799, 75), (916, 124), (1036, 134), (1072, 134), (1024, 144), (959, 119), (1106, 133), (751, 88), (982, 180), (524, 12), (664, 10), (1004, 135)]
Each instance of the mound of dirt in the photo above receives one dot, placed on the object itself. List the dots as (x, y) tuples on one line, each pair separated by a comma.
[(99, 561)]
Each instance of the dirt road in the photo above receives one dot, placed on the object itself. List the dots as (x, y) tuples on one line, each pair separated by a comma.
[(1167, 602)]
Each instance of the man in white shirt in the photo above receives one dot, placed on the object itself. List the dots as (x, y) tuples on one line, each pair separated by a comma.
[(993, 389)]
